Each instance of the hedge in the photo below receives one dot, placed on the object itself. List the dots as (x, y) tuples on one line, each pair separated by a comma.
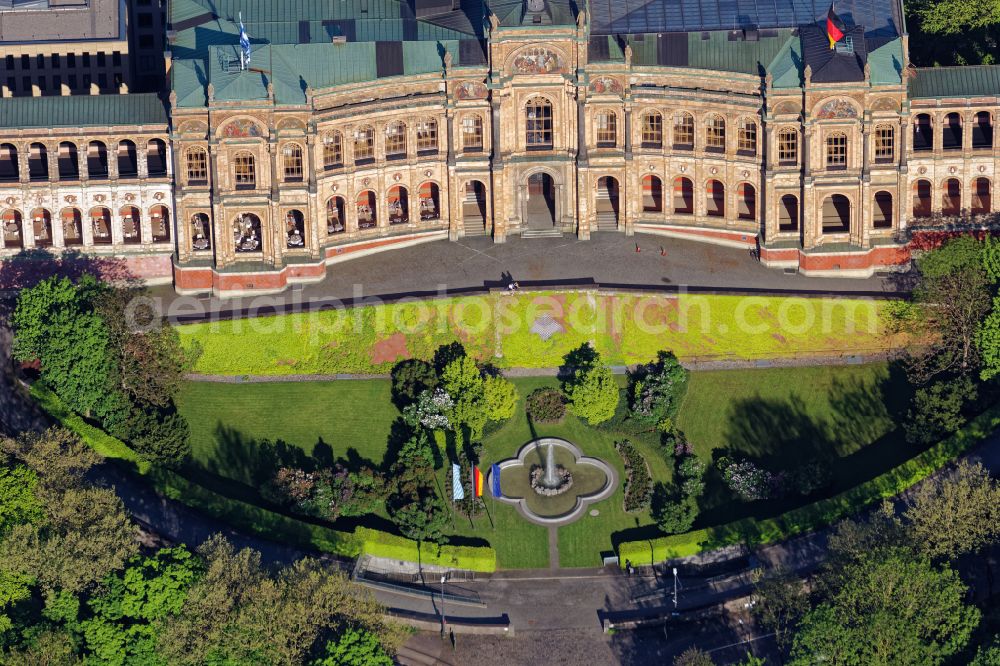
[(258, 520), (390, 546), (818, 514)]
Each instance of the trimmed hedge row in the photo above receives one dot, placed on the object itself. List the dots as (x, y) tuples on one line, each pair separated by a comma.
[(258, 520), (818, 514)]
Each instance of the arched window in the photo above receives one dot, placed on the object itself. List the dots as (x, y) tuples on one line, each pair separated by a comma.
[(472, 134), (156, 158), (244, 171), (333, 150), (538, 124), (836, 150), (335, 215), (923, 132), (922, 198), (788, 146), (885, 144), (836, 214), (882, 210), (430, 201), (715, 199), (128, 162), (399, 205), (41, 222), (683, 196), (715, 133), (951, 137), (291, 162), (395, 140), (100, 223), (951, 198), (97, 160), (982, 130), (364, 144), (652, 194), (72, 226), (131, 225), (747, 137), (201, 233), (295, 230), (684, 130), (38, 162), (652, 130), (196, 165), (9, 167), (246, 233), (159, 220), (427, 136), (367, 210), (981, 196), (606, 128), (13, 230), (746, 196), (68, 161), (788, 213)]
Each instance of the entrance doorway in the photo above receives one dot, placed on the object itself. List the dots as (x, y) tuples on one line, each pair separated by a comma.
[(541, 201)]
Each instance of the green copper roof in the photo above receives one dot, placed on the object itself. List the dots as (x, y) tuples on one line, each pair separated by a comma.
[(82, 111), (745, 57), (786, 67), (978, 80), (887, 64)]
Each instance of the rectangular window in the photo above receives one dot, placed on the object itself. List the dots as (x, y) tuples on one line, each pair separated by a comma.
[(607, 129), (427, 135), (9, 62), (333, 151), (243, 169), (885, 149), (25, 62), (364, 144), (292, 162), (715, 134), (836, 151), (395, 139), (72, 81), (747, 138), (652, 130), (26, 83), (102, 59), (86, 60), (40, 61), (41, 83), (145, 42), (472, 133), (116, 58), (145, 20), (56, 83), (538, 126), (684, 130), (102, 81), (55, 61), (71, 60), (197, 167), (788, 147), (87, 81)]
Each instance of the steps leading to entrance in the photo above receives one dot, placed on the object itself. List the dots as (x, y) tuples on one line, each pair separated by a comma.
[(541, 233), (474, 227), (607, 221)]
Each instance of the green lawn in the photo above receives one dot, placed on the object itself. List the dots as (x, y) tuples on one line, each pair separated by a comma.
[(781, 417), (624, 328)]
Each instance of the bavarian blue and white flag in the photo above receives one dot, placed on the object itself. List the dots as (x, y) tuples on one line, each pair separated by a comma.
[(457, 490), (244, 44)]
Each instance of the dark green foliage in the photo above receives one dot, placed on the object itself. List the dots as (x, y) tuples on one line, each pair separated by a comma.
[(410, 378), (638, 483), (673, 513), (808, 478), (355, 647), (656, 391), (447, 354), (414, 504), (937, 409), (589, 387), (545, 405)]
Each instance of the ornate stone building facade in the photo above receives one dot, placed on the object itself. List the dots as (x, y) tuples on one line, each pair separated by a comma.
[(364, 128)]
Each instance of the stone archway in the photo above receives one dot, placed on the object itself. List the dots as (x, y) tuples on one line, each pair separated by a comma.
[(540, 204)]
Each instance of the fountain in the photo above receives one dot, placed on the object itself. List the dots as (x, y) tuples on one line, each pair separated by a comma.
[(551, 479)]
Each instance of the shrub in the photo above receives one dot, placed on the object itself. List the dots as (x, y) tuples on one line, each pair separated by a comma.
[(674, 515), (592, 393), (746, 479), (430, 410), (937, 410), (692, 472), (545, 405), (410, 378), (656, 391), (808, 478), (638, 483), (499, 398)]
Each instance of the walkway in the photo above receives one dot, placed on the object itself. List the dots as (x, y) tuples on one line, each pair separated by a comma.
[(608, 258)]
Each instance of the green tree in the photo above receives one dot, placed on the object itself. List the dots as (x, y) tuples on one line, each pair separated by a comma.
[(673, 514), (122, 628), (936, 411), (57, 456), (889, 607), (57, 323), (988, 655), (592, 394), (955, 514), (410, 378), (18, 502), (781, 601), (693, 656), (354, 647), (414, 505), (954, 17), (47, 647), (988, 338), (464, 382), (499, 398)]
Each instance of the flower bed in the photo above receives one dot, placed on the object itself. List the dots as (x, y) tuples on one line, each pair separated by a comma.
[(638, 482)]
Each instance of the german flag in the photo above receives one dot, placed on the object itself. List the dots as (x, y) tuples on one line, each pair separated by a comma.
[(834, 27)]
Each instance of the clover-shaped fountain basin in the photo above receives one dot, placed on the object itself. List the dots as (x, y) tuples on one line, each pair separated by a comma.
[(590, 480)]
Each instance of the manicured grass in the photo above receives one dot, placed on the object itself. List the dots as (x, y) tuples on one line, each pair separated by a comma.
[(624, 328), (780, 417)]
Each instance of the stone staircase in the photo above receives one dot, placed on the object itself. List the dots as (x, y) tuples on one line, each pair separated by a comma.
[(473, 226), (554, 232), (607, 221)]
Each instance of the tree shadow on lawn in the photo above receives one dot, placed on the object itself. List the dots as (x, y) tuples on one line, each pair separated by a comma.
[(856, 441)]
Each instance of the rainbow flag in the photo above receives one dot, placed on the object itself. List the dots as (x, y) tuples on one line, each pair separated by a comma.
[(477, 482)]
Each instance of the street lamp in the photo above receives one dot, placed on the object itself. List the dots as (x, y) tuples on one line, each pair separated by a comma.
[(443, 579)]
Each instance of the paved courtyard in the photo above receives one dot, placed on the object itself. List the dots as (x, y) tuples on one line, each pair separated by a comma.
[(607, 258)]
